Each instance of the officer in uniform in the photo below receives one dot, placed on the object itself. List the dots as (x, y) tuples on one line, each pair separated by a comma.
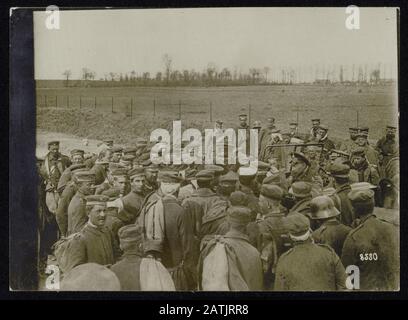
[(361, 169), (362, 142), (308, 266), (388, 146), (329, 230), (373, 246)]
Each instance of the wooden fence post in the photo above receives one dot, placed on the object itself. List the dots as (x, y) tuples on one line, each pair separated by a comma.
[(46, 103), (95, 102), (211, 111), (249, 115), (179, 109), (80, 102), (131, 107), (154, 107), (56, 101), (112, 104), (68, 101)]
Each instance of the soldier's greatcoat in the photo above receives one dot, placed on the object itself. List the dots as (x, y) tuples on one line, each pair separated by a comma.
[(92, 244), (128, 271), (302, 206), (333, 233), (62, 209), (347, 215), (77, 216), (244, 262), (310, 267), (374, 248)]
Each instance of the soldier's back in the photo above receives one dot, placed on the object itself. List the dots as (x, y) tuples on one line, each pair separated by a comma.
[(128, 272), (309, 267), (332, 233), (374, 247)]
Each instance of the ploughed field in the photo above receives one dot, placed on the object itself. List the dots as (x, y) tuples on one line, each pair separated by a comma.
[(124, 113)]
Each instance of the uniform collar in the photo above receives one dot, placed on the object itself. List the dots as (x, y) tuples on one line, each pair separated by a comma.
[(203, 192), (236, 235)]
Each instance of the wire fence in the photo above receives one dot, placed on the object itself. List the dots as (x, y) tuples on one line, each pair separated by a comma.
[(339, 117)]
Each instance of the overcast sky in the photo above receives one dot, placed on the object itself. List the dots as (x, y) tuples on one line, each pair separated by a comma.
[(124, 40)]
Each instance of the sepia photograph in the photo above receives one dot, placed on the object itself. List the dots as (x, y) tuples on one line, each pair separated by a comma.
[(217, 149)]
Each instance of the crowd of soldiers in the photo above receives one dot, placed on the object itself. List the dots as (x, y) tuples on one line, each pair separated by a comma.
[(310, 209)]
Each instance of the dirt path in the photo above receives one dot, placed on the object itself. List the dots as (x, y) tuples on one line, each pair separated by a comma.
[(67, 142)]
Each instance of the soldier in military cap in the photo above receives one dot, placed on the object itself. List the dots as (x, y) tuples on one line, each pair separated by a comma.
[(244, 261), (269, 233), (100, 168), (131, 203), (361, 170), (388, 146), (243, 121), (127, 161), (168, 229), (116, 154), (127, 269), (362, 142), (151, 172), (322, 133), (119, 185), (308, 266), (227, 184), (329, 230), (77, 216), (313, 129), (190, 184), (373, 246), (340, 172), (51, 170), (338, 154), (218, 172), (67, 174), (67, 194), (302, 192), (246, 178), (263, 169), (349, 145), (130, 151), (301, 170), (94, 242)]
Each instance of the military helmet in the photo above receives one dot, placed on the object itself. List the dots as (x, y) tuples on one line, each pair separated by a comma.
[(322, 207)]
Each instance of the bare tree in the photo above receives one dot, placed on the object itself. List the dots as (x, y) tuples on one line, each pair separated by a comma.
[(112, 75), (266, 71), (67, 74), (167, 60), (211, 71)]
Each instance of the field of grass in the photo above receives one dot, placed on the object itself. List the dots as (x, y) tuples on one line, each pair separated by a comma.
[(336, 106)]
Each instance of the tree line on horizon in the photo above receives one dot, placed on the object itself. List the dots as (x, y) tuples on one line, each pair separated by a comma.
[(214, 76)]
